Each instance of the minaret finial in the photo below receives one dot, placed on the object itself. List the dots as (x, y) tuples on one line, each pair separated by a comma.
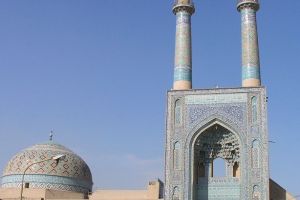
[(250, 48), (183, 9), (51, 135)]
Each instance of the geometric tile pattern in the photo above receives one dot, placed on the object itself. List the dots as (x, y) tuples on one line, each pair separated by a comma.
[(250, 49), (229, 187), (250, 54), (245, 119), (217, 142), (51, 186), (183, 49), (70, 173)]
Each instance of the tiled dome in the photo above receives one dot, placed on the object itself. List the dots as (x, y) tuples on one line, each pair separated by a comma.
[(69, 174)]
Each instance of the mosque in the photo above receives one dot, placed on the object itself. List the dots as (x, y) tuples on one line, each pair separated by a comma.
[(203, 125)]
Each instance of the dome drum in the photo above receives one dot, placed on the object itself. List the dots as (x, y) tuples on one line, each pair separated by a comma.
[(46, 182)]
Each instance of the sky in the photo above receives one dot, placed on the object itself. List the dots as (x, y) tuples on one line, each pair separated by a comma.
[(96, 72)]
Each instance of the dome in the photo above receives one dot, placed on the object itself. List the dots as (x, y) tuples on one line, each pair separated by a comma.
[(70, 173)]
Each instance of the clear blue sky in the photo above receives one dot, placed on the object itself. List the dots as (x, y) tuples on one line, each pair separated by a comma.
[(97, 72)]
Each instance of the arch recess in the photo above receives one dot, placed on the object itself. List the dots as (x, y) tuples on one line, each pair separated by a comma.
[(190, 146)]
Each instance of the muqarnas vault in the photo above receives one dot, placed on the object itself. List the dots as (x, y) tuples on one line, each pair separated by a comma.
[(205, 125)]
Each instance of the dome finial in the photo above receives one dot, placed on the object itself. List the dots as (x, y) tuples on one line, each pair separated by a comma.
[(51, 135)]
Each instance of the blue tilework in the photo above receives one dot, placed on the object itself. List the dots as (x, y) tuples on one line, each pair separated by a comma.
[(183, 51), (183, 17), (70, 173), (250, 49), (182, 74), (250, 72), (46, 179)]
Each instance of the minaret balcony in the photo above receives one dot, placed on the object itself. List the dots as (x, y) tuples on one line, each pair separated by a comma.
[(254, 4), (183, 5)]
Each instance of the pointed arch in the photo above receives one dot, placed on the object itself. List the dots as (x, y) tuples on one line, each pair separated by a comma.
[(178, 112), (256, 193), (176, 156), (206, 124), (254, 109), (189, 145), (236, 170), (255, 154), (176, 192)]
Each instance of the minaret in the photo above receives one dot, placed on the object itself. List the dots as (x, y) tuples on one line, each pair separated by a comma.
[(183, 9), (250, 49)]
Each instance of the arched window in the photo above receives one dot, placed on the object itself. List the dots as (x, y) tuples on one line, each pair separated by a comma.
[(176, 153), (219, 168), (256, 193), (254, 109), (236, 170), (175, 195), (178, 111), (201, 169), (255, 154)]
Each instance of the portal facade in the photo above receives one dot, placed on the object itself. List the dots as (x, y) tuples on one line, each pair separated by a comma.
[(205, 125)]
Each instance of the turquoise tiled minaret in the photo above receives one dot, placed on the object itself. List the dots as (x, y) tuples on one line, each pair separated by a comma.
[(250, 49), (183, 9)]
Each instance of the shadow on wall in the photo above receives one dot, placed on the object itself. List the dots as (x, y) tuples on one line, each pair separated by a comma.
[(279, 193)]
